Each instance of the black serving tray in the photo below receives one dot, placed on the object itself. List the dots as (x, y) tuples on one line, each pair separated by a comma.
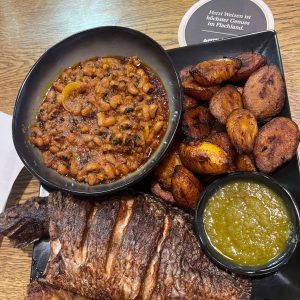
[(285, 283)]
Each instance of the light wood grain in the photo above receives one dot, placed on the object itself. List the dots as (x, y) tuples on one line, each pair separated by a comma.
[(28, 28)]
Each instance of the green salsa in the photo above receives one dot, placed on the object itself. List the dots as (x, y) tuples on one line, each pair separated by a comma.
[(247, 222)]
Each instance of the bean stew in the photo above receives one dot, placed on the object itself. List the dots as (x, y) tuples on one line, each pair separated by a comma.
[(101, 119)]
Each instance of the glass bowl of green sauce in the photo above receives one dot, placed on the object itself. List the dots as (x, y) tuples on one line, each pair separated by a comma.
[(247, 223)]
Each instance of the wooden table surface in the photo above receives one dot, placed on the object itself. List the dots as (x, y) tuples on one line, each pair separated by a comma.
[(28, 28)]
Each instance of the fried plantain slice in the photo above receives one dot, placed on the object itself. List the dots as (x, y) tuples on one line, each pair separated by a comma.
[(164, 171), (222, 140), (242, 129), (186, 187), (264, 92), (158, 191), (245, 163), (224, 102), (251, 61), (197, 122), (185, 73), (276, 143), (214, 71), (240, 89), (204, 157), (193, 89), (189, 102)]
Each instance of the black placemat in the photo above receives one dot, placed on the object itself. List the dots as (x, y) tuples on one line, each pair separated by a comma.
[(284, 284)]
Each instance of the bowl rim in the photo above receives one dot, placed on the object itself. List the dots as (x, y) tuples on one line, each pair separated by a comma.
[(217, 257), (133, 180)]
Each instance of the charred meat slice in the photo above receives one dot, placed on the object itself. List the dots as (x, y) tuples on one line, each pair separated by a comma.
[(129, 246), (41, 290)]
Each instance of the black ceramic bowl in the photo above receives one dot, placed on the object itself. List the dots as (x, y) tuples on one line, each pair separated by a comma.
[(102, 41), (221, 260)]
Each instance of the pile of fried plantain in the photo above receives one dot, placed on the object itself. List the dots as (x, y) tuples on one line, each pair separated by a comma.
[(227, 127)]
